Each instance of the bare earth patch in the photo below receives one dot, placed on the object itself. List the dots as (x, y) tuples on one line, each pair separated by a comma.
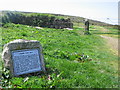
[(112, 43)]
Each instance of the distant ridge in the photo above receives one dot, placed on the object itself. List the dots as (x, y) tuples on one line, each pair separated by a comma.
[(74, 19)]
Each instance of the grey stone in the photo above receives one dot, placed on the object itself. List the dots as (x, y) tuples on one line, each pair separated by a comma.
[(21, 46), (86, 27)]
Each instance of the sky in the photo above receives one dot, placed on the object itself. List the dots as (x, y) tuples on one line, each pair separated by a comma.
[(101, 10)]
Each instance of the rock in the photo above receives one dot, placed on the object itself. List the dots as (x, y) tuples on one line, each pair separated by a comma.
[(68, 28), (86, 27), (20, 44), (38, 28)]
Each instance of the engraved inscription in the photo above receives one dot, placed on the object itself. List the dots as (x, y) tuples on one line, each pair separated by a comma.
[(26, 61)]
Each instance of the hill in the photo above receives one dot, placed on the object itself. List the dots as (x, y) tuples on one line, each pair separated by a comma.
[(72, 59), (75, 19)]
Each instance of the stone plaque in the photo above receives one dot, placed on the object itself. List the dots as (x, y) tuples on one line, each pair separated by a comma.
[(23, 56), (26, 61)]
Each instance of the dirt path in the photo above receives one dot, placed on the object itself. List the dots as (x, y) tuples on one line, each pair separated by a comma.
[(112, 43)]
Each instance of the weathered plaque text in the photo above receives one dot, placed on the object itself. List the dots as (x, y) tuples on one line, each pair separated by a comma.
[(26, 61)]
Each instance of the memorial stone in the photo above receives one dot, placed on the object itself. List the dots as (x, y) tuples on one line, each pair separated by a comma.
[(86, 26), (23, 57)]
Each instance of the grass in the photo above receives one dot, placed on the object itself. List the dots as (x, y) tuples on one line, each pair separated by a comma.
[(108, 31), (63, 50)]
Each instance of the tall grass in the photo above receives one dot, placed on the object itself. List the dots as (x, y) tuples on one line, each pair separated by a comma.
[(64, 52)]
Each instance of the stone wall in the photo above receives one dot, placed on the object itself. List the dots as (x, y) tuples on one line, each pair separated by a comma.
[(60, 24), (36, 19)]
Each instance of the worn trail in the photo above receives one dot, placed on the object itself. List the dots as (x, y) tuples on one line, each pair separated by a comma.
[(112, 43)]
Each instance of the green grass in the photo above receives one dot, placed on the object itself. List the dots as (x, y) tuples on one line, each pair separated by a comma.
[(62, 49), (109, 31)]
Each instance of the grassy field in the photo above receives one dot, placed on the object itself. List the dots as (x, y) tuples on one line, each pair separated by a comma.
[(72, 60), (108, 31)]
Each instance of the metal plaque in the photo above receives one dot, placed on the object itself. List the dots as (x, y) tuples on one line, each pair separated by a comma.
[(26, 61)]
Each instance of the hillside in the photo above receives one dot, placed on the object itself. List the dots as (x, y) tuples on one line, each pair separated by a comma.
[(36, 19), (75, 19), (72, 59)]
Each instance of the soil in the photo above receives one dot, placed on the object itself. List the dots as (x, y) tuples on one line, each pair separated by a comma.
[(112, 43)]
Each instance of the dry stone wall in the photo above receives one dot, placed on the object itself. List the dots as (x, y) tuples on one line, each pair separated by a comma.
[(40, 20)]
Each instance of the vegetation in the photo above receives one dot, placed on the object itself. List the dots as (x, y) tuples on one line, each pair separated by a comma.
[(72, 60), (36, 19), (108, 31)]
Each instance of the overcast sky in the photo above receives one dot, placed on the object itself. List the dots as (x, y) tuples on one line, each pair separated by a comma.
[(102, 10)]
